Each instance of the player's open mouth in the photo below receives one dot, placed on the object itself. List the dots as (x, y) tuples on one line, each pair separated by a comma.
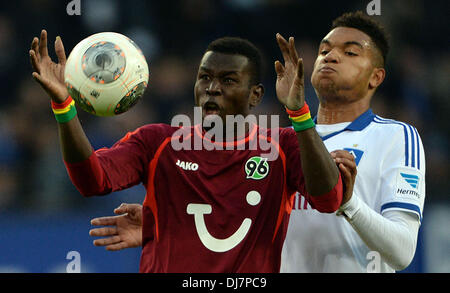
[(211, 108)]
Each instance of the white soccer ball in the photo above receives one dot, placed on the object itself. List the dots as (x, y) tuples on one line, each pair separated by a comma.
[(106, 74)]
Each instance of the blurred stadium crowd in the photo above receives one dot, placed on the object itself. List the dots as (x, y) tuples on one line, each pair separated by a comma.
[(173, 35)]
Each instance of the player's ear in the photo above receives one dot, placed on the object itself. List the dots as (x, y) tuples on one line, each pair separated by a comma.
[(256, 94), (377, 77)]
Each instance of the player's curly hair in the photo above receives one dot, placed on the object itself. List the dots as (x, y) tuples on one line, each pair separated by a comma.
[(369, 26), (239, 46)]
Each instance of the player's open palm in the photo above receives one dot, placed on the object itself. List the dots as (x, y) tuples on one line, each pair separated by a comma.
[(125, 230), (290, 81), (48, 74)]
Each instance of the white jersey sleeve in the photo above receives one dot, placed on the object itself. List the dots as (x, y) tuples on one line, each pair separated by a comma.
[(402, 169)]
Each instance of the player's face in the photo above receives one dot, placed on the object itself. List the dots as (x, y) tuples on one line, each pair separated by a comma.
[(222, 86), (344, 66)]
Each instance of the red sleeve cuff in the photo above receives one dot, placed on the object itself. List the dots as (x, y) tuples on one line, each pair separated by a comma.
[(88, 176), (328, 202)]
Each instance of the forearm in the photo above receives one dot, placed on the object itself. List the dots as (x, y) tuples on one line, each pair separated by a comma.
[(393, 236), (111, 169), (81, 162), (75, 146), (89, 177), (319, 170)]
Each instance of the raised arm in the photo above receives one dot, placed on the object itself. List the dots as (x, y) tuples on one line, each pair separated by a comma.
[(319, 170), (75, 146)]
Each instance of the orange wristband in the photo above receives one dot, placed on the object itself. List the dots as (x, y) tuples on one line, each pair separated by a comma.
[(302, 111), (62, 105)]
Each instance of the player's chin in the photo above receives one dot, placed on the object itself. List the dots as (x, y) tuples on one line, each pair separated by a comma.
[(326, 78), (325, 86)]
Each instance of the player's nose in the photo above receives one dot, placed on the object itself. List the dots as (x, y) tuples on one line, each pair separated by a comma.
[(331, 57), (214, 88)]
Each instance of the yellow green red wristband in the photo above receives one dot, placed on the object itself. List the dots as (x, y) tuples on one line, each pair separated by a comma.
[(66, 116), (300, 126), (65, 111), (301, 118)]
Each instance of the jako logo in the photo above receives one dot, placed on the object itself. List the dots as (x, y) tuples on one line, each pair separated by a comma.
[(189, 166), (413, 180)]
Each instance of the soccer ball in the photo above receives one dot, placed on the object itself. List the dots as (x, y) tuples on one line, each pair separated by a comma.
[(106, 74)]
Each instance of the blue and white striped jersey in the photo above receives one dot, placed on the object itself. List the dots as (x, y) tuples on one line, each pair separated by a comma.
[(391, 176)]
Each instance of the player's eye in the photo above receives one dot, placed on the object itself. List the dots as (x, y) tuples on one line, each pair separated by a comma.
[(324, 52), (351, 53), (229, 80), (203, 77)]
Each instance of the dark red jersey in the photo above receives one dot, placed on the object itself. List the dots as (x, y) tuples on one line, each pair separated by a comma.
[(205, 210)]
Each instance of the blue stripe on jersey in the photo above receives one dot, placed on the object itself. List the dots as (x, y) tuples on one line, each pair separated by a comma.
[(402, 205), (413, 163), (409, 131), (384, 121), (418, 147), (357, 125)]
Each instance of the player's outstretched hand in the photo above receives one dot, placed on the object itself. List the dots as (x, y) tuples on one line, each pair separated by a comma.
[(347, 165), (48, 74), (125, 230), (290, 87)]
